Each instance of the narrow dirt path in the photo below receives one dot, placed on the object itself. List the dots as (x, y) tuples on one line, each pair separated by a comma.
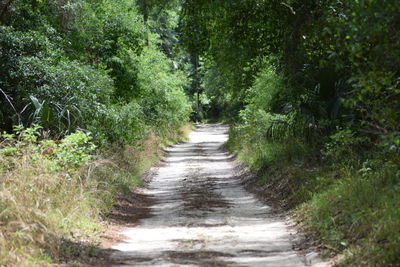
[(202, 215)]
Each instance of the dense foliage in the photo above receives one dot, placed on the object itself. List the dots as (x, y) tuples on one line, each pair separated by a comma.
[(90, 91), (88, 65), (339, 61), (313, 89), (55, 195)]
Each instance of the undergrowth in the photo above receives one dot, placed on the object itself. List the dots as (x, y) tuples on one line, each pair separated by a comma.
[(55, 196), (338, 178), (349, 202)]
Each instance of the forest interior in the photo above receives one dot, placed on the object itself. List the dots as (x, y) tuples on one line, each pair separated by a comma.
[(93, 94)]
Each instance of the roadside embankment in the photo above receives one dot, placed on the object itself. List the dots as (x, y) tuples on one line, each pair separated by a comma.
[(348, 206), (55, 196)]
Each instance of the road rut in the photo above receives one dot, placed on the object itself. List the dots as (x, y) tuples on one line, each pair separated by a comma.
[(203, 216)]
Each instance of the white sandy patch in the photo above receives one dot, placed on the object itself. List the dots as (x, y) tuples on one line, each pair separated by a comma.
[(203, 216)]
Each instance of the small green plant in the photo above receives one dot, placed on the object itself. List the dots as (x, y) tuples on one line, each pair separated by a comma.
[(8, 137), (9, 151), (343, 146), (74, 150)]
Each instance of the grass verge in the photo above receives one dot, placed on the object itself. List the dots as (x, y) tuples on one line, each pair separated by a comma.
[(52, 213), (350, 205)]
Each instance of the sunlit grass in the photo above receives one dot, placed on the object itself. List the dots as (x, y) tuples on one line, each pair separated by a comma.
[(353, 209), (44, 210)]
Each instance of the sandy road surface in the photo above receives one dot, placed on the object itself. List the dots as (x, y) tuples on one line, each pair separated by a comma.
[(203, 216)]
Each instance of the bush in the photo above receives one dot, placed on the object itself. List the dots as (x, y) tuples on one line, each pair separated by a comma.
[(54, 194), (41, 204), (84, 65), (64, 94), (119, 124), (74, 150), (162, 97), (47, 88)]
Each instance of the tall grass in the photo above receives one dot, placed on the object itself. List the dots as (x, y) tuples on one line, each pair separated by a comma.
[(39, 208), (346, 200), (45, 208), (359, 215)]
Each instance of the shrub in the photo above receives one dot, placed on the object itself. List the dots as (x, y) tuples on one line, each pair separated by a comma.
[(74, 150), (162, 98)]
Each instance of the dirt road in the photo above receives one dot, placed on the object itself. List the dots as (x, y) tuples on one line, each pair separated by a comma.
[(203, 216)]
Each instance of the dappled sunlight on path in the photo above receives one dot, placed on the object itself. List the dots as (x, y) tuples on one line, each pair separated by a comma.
[(202, 215)]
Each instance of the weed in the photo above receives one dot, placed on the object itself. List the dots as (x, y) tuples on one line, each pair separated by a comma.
[(48, 213), (347, 200)]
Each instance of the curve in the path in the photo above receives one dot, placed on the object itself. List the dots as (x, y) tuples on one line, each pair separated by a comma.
[(203, 216)]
